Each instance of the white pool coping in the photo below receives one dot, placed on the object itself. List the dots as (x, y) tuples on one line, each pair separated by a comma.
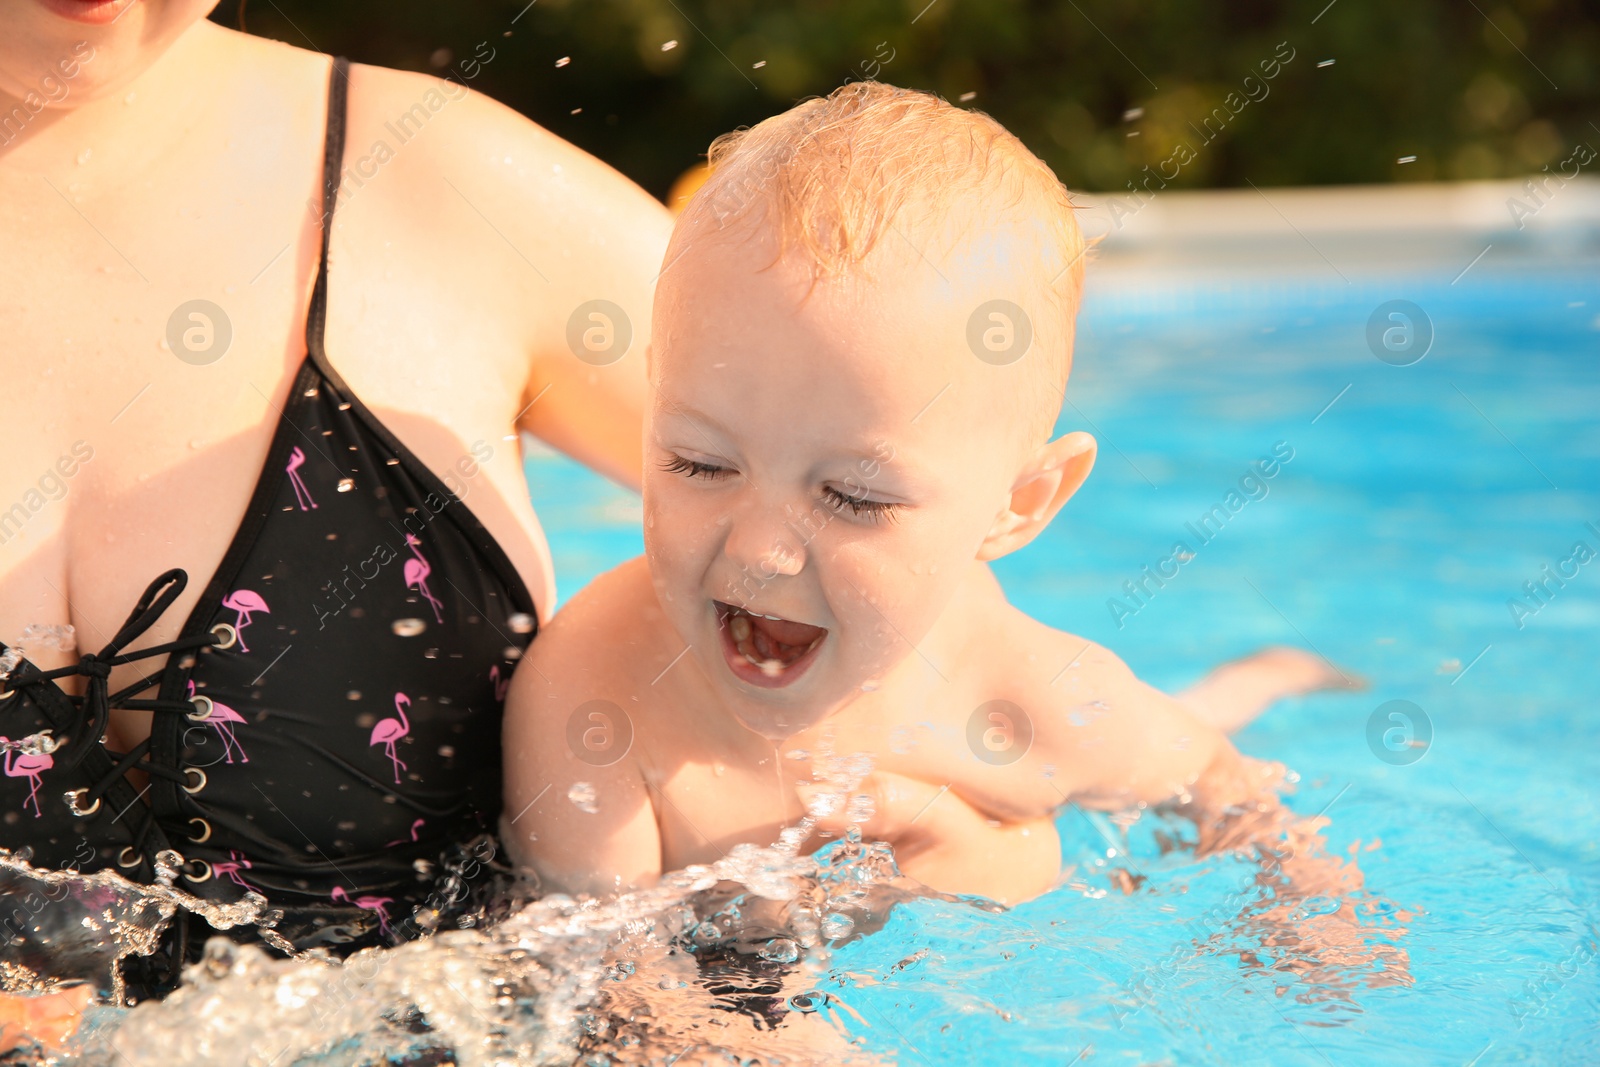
[(1342, 231)]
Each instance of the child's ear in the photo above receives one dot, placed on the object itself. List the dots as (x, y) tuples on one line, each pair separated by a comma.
[(1051, 476)]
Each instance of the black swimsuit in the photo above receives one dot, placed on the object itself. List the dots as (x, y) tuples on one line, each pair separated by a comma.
[(327, 728)]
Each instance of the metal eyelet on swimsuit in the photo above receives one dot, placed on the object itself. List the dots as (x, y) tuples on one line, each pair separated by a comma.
[(129, 858), (205, 869), (205, 834), (201, 784), (74, 798), (204, 707), (226, 635)]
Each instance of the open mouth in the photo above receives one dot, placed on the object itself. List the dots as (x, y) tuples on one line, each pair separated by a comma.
[(766, 650)]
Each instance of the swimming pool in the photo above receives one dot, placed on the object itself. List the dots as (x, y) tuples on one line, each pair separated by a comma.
[(1418, 502)]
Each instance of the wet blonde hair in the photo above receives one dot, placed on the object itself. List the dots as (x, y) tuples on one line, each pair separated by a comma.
[(831, 175)]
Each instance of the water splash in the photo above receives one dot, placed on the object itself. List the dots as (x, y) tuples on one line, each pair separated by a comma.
[(59, 636), (67, 925), (729, 962)]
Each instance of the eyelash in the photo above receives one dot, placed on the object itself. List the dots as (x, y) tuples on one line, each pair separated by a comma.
[(874, 510), (678, 465)]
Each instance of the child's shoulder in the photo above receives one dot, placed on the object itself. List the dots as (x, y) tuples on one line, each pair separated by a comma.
[(1037, 663), (602, 641)]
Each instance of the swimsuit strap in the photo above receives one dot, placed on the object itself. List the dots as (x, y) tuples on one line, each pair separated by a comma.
[(332, 157)]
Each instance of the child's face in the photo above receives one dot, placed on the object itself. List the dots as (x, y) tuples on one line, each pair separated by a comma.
[(834, 465)]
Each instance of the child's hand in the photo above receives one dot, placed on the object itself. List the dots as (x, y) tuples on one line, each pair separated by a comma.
[(48, 1018), (942, 840)]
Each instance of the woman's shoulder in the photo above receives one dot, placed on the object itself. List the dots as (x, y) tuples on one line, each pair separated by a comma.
[(450, 144)]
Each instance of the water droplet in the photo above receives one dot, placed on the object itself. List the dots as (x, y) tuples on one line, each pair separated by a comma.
[(447, 751), (432, 653), (781, 950), (83, 157), (346, 484), (582, 795), (837, 926), (354, 694), (797, 754), (408, 627), (520, 623), (311, 392), (511, 652)]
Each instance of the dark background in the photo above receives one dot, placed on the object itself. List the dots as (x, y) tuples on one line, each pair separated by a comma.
[(1471, 88)]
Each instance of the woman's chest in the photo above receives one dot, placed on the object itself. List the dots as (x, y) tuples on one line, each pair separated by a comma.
[(150, 372)]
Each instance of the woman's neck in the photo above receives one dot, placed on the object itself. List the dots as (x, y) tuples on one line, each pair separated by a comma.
[(127, 124)]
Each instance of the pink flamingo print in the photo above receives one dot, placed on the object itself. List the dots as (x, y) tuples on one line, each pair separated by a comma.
[(28, 765), (390, 731), (243, 602), (414, 827), (231, 866), (500, 687), (416, 573), (302, 495), (222, 718), (372, 904)]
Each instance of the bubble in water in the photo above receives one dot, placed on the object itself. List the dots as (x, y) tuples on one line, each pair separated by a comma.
[(862, 807), (583, 798), (346, 484), (511, 652), (9, 660), (520, 623), (781, 950), (408, 627), (837, 926), (822, 804), (797, 754)]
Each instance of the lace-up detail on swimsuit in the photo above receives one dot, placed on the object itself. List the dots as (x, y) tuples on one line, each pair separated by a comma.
[(92, 714)]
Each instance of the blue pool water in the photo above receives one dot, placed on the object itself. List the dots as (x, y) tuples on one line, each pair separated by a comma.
[(1414, 508)]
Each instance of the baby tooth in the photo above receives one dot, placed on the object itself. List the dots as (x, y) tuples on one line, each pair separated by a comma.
[(771, 668), (739, 626)]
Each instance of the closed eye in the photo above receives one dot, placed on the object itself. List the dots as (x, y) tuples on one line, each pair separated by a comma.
[(677, 464), (859, 505)]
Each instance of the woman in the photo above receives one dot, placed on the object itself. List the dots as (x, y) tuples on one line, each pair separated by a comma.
[(278, 457)]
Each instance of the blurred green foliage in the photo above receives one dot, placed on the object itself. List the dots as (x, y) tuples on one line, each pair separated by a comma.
[(1100, 89)]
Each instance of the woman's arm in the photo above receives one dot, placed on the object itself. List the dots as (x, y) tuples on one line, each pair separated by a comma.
[(581, 247)]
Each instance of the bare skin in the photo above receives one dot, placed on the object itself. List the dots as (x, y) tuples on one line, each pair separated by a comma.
[(796, 469), (178, 163), (436, 319)]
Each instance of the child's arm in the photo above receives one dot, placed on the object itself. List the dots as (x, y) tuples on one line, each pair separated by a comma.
[(1234, 693), (945, 843), (547, 825)]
